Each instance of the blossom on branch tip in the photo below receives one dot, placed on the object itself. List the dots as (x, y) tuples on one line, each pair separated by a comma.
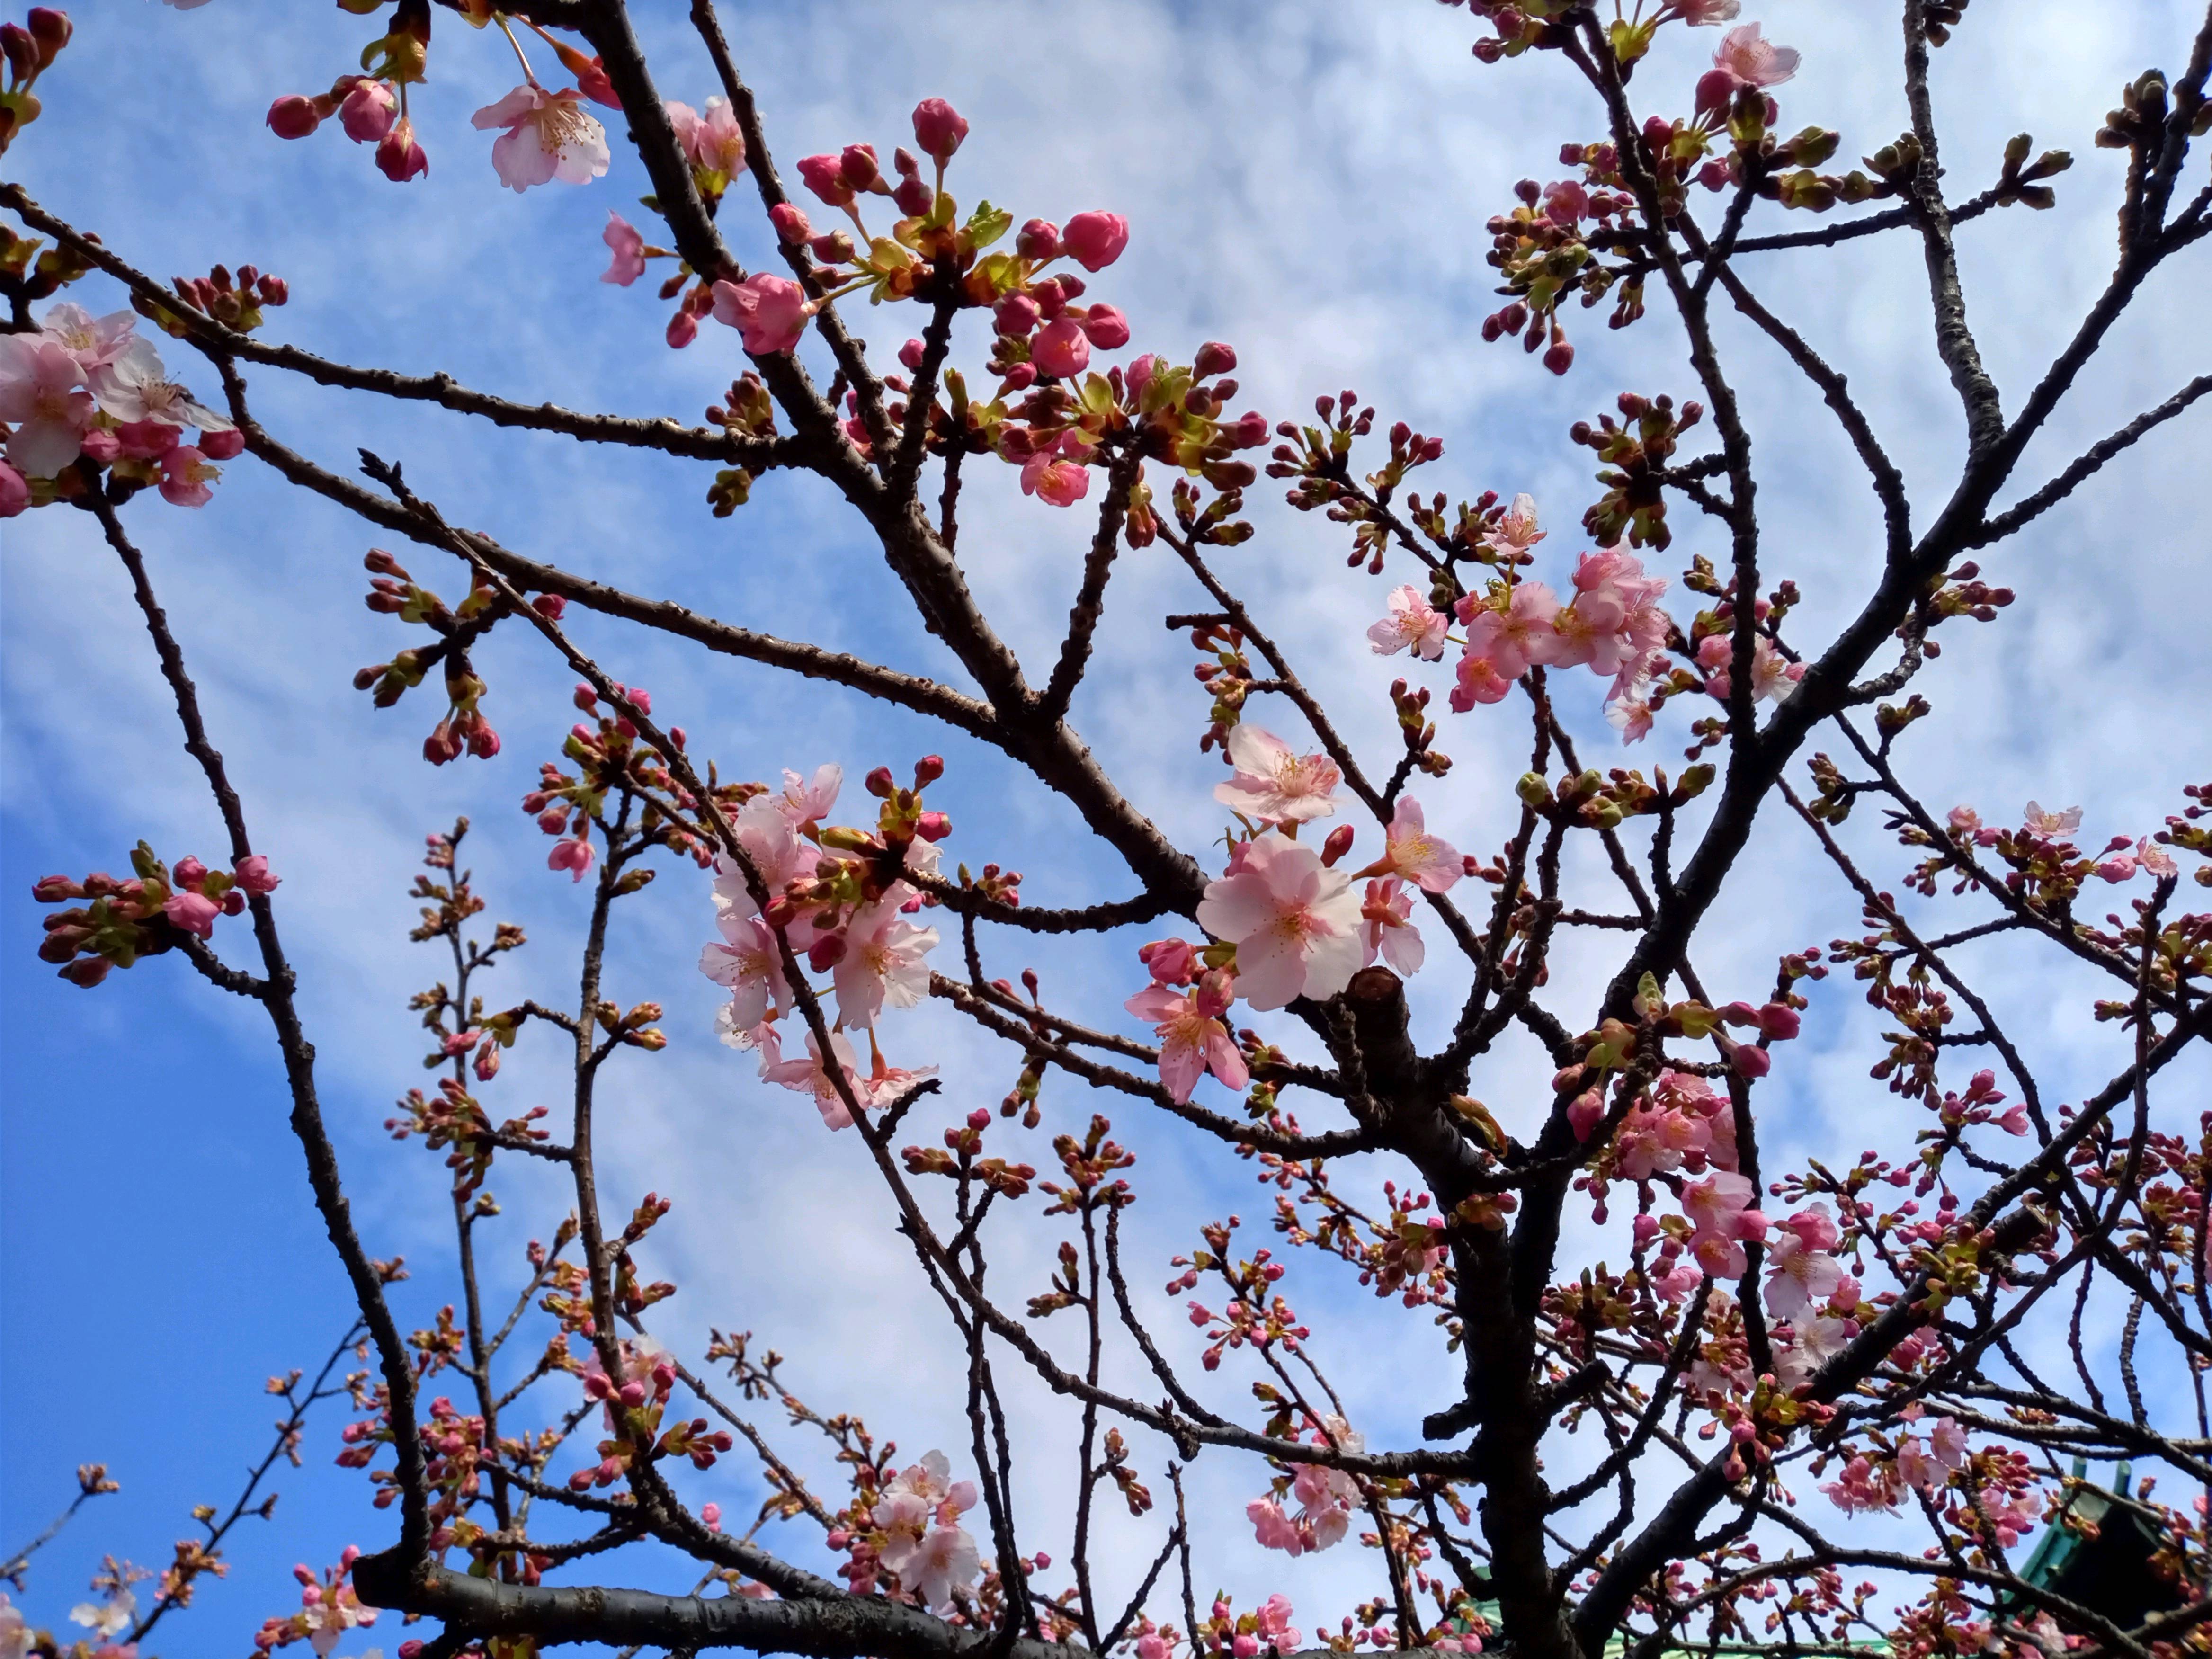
[(399, 158), (368, 111), (938, 128), (1271, 785), (1193, 1040), (1753, 61), (770, 312), (1413, 624), (550, 135), (1055, 474), (1094, 241), (185, 476), (1295, 923), (573, 856)]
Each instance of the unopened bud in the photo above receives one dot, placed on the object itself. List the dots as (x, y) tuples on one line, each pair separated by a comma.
[(1338, 844)]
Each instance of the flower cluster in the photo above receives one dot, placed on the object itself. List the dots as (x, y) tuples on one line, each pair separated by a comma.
[(92, 390), (328, 1609), (1325, 1498), (150, 912), (544, 135), (838, 899)]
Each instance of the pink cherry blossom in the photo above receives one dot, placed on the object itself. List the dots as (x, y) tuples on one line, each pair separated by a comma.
[(714, 141), (770, 841), (1477, 681), (1094, 241), (1753, 61), (1629, 713), (810, 1076), (806, 800), (550, 135), (1295, 923), (1516, 532), (1060, 349), (1802, 1277), (1055, 475), (1275, 1529), (1385, 927), (1273, 1618), (1193, 1040), (1949, 1440), (41, 393), (2051, 826), (628, 249), (1428, 861), (883, 963), (770, 312), (185, 476), (1718, 1209), (193, 911), (133, 386), (1522, 634), (94, 341), (748, 962), (1271, 785), (1412, 623), (1917, 1467), (573, 856)]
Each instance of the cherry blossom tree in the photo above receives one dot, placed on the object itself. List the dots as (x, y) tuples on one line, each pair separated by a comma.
[(1676, 1370)]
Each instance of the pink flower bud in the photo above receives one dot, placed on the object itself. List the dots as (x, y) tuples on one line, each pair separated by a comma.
[(1715, 88), (1037, 240), (549, 606), (790, 224), (251, 872), (1560, 356), (1338, 844), (857, 165), (910, 354), (223, 446), (1059, 349), (641, 697), (368, 112), (824, 177), (1021, 377), (914, 196), (188, 872), (1015, 314), (1750, 1059), (14, 491), (712, 1514), (399, 157), (933, 826), (1213, 358), (293, 117), (1095, 239), (1106, 328), (939, 128)]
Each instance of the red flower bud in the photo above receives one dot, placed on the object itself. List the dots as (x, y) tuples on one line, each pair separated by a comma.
[(293, 117), (1213, 358), (939, 128)]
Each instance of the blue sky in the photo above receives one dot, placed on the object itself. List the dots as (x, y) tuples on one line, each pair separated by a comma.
[(1308, 182)]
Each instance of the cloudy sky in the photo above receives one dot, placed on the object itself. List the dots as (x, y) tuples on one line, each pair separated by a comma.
[(1306, 181)]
